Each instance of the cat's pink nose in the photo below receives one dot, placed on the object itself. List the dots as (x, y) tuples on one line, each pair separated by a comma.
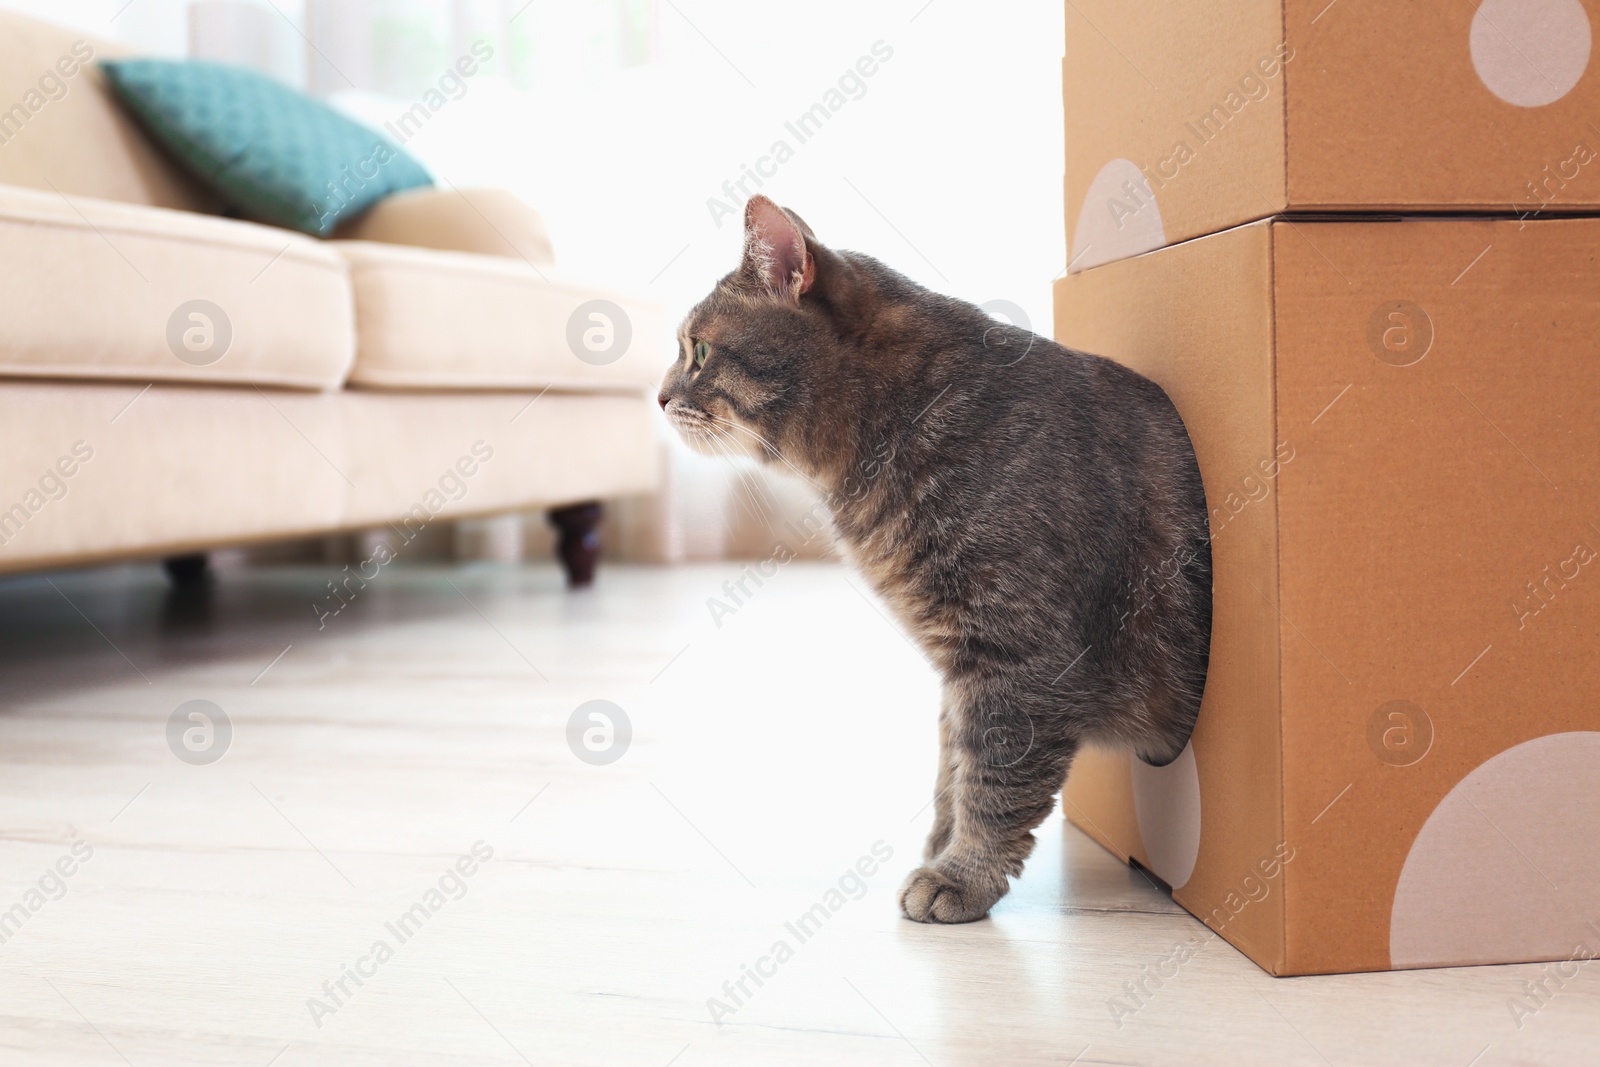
[(663, 400)]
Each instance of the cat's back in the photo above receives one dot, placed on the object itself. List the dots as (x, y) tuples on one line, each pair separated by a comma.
[(1070, 416)]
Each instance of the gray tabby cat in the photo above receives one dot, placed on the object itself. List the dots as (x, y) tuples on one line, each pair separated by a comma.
[(1033, 515)]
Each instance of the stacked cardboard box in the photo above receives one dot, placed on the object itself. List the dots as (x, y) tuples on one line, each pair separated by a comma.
[(1358, 244)]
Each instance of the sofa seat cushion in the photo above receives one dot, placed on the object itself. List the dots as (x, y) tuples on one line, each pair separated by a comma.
[(97, 289), (429, 319), (96, 470)]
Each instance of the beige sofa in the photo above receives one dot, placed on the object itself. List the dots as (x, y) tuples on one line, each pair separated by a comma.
[(173, 381)]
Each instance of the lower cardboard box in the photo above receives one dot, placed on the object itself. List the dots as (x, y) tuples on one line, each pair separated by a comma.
[(1397, 761)]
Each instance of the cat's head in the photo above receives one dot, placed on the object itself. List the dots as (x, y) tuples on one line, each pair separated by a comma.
[(771, 340)]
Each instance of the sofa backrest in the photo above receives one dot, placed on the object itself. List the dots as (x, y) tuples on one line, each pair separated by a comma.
[(61, 129)]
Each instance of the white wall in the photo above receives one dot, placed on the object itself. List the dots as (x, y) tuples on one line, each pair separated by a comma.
[(158, 26), (948, 168)]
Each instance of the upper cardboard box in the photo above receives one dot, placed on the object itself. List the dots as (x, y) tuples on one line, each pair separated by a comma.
[(1186, 117)]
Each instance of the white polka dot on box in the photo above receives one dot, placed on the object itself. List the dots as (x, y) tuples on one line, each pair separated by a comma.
[(1508, 865), (1119, 217), (1531, 52), (1166, 801)]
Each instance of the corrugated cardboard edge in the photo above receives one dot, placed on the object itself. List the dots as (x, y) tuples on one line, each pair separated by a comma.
[(1283, 148), (1279, 966)]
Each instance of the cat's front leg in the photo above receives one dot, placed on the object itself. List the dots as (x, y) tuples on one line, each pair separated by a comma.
[(1002, 781)]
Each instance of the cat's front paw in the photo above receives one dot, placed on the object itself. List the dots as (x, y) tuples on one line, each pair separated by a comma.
[(931, 895)]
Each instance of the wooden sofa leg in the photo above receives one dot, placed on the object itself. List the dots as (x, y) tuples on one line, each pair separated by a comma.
[(189, 571), (578, 546)]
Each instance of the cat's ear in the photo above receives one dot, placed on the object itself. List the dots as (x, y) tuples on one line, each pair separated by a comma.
[(775, 252)]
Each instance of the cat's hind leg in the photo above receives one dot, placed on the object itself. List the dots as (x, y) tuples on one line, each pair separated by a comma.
[(1003, 779), (943, 806)]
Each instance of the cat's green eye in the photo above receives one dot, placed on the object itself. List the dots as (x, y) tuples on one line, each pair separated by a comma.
[(701, 351)]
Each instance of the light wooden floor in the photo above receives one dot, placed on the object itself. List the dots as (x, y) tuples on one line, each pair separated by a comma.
[(769, 754)]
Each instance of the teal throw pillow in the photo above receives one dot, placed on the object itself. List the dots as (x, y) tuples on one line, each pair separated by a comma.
[(274, 154)]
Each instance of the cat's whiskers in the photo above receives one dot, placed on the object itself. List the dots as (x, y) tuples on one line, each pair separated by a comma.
[(772, 450), (715, 443), (698, 429), (727, 446), (754, 504), (722, 444), (768, 446), (745, 493)]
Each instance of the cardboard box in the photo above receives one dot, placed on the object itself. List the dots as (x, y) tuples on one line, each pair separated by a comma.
[(1186, 118), (1397, 761)]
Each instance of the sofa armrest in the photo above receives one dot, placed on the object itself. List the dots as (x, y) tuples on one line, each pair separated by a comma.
[(492, 222)]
